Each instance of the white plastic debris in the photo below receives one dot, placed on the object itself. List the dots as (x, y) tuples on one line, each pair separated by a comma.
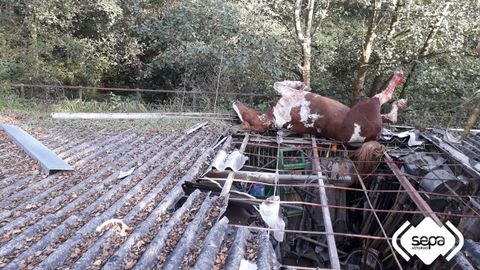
[(123, 174), (412, 140), (270, 212), (247, 265), (121, 229), (234, 161)]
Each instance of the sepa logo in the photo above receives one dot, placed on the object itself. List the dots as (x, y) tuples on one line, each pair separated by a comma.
[(427, 241)]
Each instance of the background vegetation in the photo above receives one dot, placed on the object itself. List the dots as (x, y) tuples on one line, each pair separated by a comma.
[(242, 46)]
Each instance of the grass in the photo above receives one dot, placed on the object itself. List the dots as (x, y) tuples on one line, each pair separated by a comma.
[(11, 102), (33, 114), (36, 110)]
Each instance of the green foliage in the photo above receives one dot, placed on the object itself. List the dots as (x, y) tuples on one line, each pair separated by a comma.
[(62, 42), (235, 46), (204, 43), (10, 102)]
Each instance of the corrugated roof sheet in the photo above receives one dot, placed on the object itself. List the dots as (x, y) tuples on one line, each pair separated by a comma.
[(56, 221)]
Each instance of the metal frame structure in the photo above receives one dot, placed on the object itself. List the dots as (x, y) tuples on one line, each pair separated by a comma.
[(408, 201)]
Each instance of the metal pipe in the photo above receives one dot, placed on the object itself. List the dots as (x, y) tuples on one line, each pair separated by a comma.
[(137, 116), (332, 247), (378, 219)]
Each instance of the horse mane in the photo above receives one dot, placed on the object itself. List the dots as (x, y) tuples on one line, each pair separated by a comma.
[(368, 157)]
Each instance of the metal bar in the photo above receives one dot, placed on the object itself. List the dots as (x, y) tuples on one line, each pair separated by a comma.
[(231, 175), (332, 247), (418, 200), (412, 192), (291, 204), (136, 116), (47, 159), (313, 241), (268, 178), (300, 183), (377, 219), (311, 232)]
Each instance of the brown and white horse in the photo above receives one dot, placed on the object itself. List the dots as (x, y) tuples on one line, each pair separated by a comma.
[(300, 112)]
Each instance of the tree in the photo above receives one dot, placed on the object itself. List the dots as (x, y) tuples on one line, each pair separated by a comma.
[(362, 67), (193, 43), (426, 45), (305, 38), (65, 42), (304, 31)]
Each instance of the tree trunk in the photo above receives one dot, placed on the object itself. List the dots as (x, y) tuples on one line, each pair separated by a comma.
[(305, 38), (307, 56), (379, 80), (367, 50), (395, 19)]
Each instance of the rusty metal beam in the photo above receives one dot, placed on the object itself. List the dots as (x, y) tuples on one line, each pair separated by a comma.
[(332, 247), (411, 191), (460, 258)]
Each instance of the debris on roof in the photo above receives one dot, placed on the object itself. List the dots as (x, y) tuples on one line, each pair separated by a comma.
[(233, 161), (365, 209), (47, 159), (171, 212)]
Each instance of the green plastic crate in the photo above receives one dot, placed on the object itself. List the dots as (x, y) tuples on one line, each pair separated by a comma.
[(286, 157)]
